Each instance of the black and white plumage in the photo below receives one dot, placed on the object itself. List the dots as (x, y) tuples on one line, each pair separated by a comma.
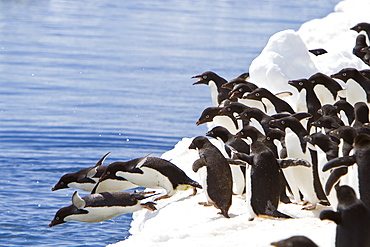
[(100, 207)]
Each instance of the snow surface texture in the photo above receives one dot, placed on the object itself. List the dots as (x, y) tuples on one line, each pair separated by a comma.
[(180, 221)]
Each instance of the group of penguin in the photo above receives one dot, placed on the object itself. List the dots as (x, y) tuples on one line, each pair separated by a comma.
[(272, 151)]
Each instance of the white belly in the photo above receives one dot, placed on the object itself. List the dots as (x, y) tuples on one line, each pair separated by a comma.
[(150, 178)]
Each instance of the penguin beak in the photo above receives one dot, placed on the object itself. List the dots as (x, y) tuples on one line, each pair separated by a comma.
[(192, 146), (201, 81), (198, 123)]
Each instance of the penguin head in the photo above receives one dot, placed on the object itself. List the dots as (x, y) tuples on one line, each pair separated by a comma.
[(218, 131), (199, 142), (62, 215), (239, 90), (232, 83), (205, 78), (208, 114), (360, 27), (299, 84), (345, 74), (64, 181)]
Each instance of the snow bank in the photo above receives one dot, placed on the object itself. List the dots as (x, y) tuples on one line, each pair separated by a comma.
[(180, 221)]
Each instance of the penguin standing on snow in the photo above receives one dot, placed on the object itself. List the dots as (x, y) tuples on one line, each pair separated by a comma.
[(218, 179), (352, 218), (264, 182), (300, 178), (361, 156), (101, 207)]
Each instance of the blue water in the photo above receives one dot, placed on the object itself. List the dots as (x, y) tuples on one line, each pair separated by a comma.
[(81, 78)]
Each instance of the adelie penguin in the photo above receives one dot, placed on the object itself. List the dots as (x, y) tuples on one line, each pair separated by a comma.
[(150, 172), (218, 179), (87, 178), (352, 218), (360, 157), (263, 182), (101, 207), (211, 114), (358, 86), (215, 82)]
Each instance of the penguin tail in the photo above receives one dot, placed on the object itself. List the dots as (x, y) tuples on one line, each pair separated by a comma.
[(195, 184), (149, 205), (272, 211)]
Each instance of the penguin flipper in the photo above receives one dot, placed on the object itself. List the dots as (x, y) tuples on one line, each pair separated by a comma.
[(142, 161), (289, 162), (101, 161), (199, 163), (334, 177), (237, 162), (272, 211), (331, 215), (341, 161)]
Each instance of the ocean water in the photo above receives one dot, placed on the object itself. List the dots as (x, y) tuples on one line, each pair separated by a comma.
[(81, 78)]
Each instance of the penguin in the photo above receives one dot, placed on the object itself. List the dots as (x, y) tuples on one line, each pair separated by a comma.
[(101, 207), (234, 108), (358, 86), (360, 44), (313, 104), (325, 88), (219, 178), (361, 157), (352, 218), (331, 111), (150, 172), (346, 111), (346, 136), (304, 179), (295, 241), (87, 178), (211, 114), (264, 182), (363, 26), (326, 149), (236, 144), (215, 82), (318, 52), (268, 98)]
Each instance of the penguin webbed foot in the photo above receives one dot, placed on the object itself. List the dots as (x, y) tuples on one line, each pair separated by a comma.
[(150, 206), (310, 207), (194, 191), (162, 197)]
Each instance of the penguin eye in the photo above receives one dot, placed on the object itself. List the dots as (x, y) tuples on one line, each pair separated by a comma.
[(245, 114), (207, 116), (313, 81), (62, 183), (57, 218), (268, 138), (300, 83), (240, 89), (282, 122), (204, 77), (108, 172), (319, 122), (363, 73), (344, 74), (228, 109), (234, 84), (257, 94)]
